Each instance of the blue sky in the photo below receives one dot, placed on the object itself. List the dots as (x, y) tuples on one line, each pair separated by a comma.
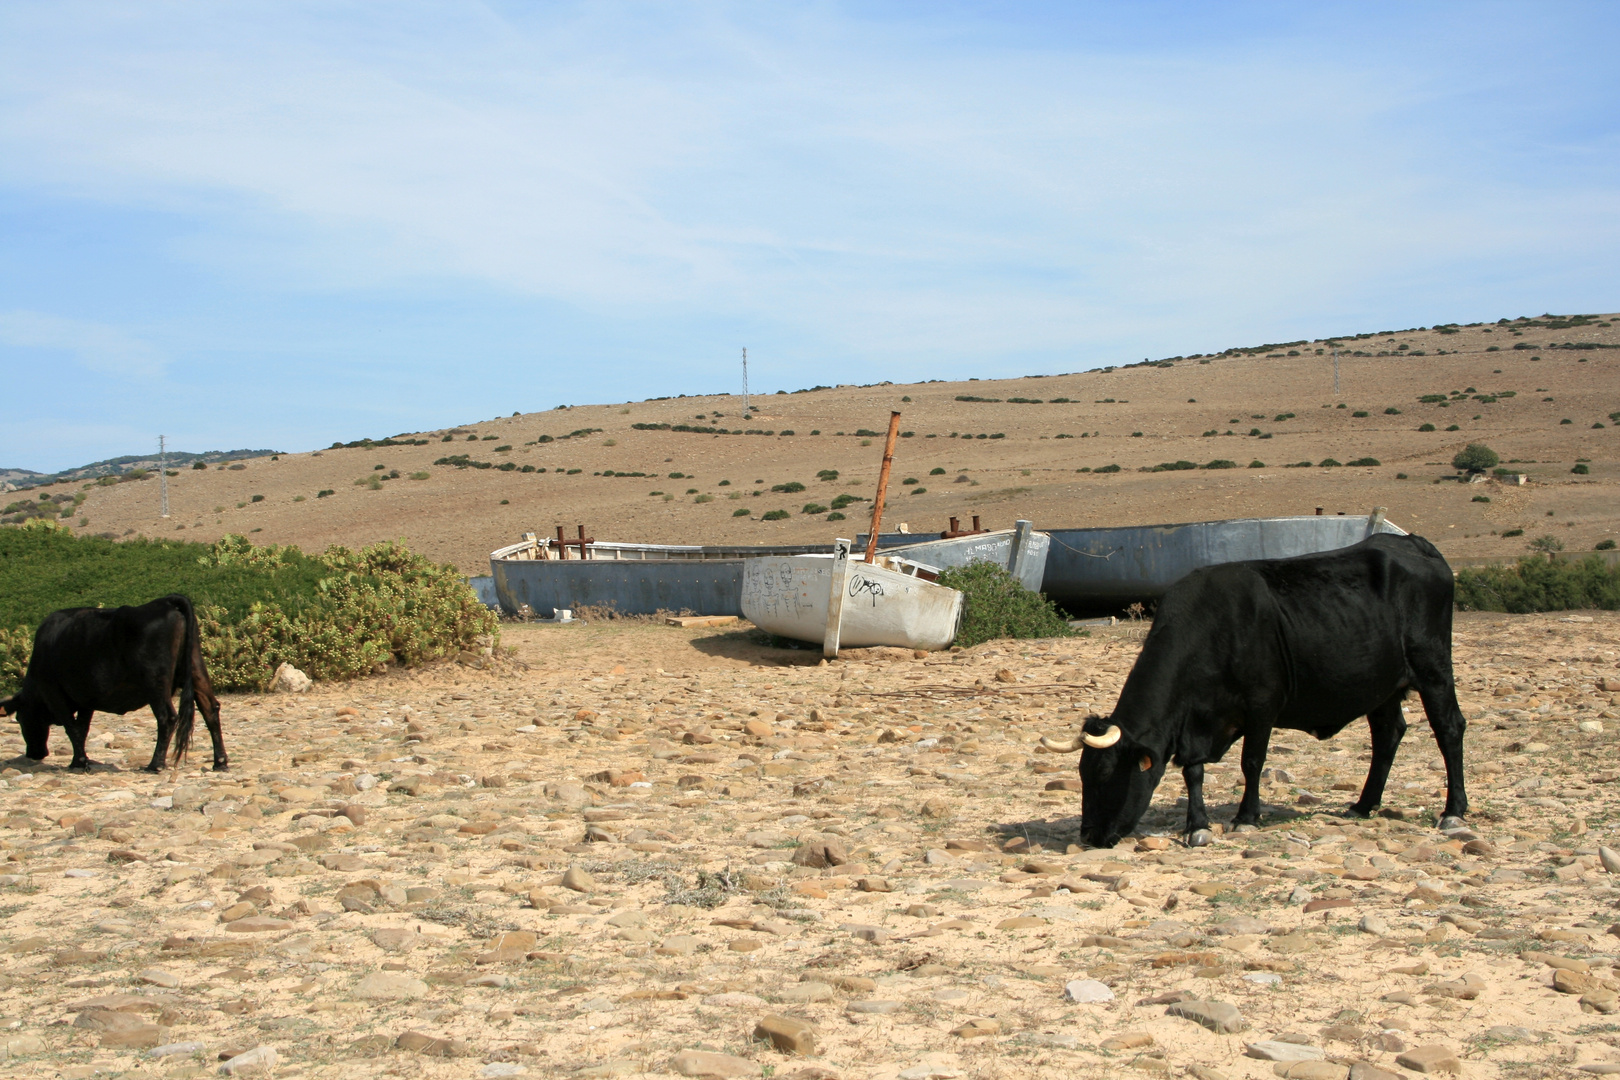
[(281, 224)]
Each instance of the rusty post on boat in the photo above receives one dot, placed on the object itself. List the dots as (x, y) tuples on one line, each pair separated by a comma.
[(582, 542), (883, 486), (562, 544)]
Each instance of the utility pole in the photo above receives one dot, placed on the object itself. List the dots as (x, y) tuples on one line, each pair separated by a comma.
[(745, 384), (163, 472)]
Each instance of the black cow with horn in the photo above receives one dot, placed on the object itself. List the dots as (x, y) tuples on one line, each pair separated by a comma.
[(115, 660), (1309, 644)]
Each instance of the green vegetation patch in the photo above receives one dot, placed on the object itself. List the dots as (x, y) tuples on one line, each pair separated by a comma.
[(996, 605), (334, 616), (1537, 584)]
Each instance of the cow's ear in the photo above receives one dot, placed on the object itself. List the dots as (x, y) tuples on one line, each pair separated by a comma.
[(1146, 763)]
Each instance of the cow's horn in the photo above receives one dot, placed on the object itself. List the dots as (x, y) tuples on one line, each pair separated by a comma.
[(1064, 747), (1105, 740)]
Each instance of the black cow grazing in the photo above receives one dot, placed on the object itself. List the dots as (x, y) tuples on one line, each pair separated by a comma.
[(115, 660), (1308, 643)]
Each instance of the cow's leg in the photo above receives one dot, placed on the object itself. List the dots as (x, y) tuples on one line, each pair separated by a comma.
[(209, 704), (1198, 833), (1255, 744), (1447, 722), (78, 729), (1388, 726), (163, 712)]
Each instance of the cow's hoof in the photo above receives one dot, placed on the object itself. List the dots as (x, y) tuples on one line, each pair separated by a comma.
[(1357, 812), (1200, 838), (153, 769), (1451, 823), (221, 766)]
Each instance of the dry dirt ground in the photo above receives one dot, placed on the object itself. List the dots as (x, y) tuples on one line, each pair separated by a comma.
[(602, 857), (1132, 417)]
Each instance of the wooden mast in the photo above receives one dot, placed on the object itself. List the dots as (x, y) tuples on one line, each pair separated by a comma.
[(883, 486)]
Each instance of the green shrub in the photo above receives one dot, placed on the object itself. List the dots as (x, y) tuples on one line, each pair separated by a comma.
[(324, 492), (1603, 545), (1219, 463), (333, 616), (1360, 414), (1425, 427), (774, 515), (842, 500), (1365, 461), (1328, 463), (996, 605), (1547, 544), (835, 516), (1173, 466), (813, 508), (789, 488), (1392, 411), (1580, 470), (936, 471), (1512, 532), (1106, 468), (827, 475), (1453, 427), (1257, 464), (1482, 498), (1540, 585), (919, 491), (703, 499), (420, 475), (744, 512), (1475, 457), (908, 481), (199, 465)]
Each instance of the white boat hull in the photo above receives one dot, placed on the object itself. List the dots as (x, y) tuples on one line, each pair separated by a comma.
[(789, 596)]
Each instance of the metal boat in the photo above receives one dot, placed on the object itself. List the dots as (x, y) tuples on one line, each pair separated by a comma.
[(546, 573), (1091, 570)]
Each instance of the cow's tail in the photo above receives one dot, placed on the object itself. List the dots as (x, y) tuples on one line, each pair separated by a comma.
[(190, 655)]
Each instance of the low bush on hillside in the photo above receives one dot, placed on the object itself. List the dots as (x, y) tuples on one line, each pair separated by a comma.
[(774, 515), (334, 616), (1537, 584), (996, 605)]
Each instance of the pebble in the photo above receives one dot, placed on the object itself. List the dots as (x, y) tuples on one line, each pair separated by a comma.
[(502, 1068), (874, 1007), (1218, 1016), (158, 977), (1263, 978), (174, 1049), (1432, 1057), (1272, 1050), (787, 1034), (261, 1059), (1373, 924), (1087, 991), (707, 1063)]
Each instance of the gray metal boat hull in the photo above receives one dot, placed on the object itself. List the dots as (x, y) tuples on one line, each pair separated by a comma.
[(641, 579), (1107, 569)]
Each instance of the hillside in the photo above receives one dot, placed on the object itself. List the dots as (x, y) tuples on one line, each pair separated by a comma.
[(1544, 393)]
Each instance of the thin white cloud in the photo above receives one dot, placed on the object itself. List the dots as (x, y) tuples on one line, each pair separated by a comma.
[(102, 348)]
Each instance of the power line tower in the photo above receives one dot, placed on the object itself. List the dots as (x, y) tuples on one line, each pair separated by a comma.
[(163, 472), (745, 383)]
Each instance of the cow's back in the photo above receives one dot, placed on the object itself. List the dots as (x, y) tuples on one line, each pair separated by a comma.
[(106, 658)]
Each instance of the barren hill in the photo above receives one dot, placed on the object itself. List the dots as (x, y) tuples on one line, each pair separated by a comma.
[(1544, 393)]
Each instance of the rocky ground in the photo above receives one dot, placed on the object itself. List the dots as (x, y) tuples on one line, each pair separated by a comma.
[(634, 849)]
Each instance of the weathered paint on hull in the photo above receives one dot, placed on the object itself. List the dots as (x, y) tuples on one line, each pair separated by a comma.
[(1106, 569), (788, 597)]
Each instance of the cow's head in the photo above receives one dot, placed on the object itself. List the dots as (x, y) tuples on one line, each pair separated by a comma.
[(34, 722), (1117, 780)]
